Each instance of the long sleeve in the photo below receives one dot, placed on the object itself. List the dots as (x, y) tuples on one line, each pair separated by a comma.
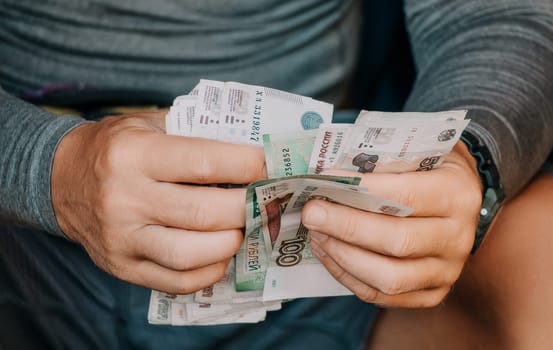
[(494, 58), (28, 139)]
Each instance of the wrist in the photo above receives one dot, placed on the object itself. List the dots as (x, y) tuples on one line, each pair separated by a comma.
[(462, 149), (66, 170)]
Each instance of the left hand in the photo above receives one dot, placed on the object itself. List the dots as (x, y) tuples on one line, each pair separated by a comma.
[(404, 262)]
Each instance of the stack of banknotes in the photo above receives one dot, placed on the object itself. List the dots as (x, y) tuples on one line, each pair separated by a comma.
[(275, 263)]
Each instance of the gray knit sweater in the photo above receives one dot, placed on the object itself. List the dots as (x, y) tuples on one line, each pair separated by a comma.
[(494, 57)]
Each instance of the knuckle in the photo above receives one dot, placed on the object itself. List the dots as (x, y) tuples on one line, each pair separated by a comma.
[(236, 242), (339, 274), (108, 246), (405, 196), (182, 286), (185, 285), (465, 242), (368, 294), (440, 244), (460, 239), (115, 154), (339, 256), (471, 199), (111, 246), (178, 260), (122, 271), (262, 170), (451, 276), (100, 261), (350, 228), (221, 270), (202, 168), (199, 215), (406, 245), (451, 238), (392, 285), (434, 298), (108, 263), (258, 166), (253, 164)]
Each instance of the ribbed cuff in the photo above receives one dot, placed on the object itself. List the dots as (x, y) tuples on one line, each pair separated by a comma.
[(40, 199)]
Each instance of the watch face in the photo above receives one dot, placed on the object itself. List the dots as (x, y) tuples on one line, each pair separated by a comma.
[(491, 203)]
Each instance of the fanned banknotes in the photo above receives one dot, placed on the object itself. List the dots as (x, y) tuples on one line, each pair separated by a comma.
[(387, 142), (240, 113), (292, 270), (275, 262)]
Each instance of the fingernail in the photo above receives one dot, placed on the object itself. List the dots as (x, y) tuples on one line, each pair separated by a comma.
[(315, 216), (316, 249), (318, 237)]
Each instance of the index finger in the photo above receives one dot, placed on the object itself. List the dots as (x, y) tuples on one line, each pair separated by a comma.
[(196, 160), (428, 193)]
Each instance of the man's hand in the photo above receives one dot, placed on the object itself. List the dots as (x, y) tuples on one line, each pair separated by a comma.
[(406, 262), (129, 194)]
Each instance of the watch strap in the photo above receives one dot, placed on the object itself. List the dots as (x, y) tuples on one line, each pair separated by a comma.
[(493, 193)]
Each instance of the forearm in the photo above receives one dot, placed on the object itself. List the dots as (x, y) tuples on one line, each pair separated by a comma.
[(28, 139), (496, 59)]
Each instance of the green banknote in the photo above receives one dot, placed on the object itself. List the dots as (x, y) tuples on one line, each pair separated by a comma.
[(253, 216), (288, 154), (251, 262), (252, 259)]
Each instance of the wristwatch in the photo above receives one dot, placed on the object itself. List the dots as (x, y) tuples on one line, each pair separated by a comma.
[(493, 194)]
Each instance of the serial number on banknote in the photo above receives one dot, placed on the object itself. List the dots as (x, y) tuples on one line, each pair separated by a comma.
[(256, 118), (287, 161)]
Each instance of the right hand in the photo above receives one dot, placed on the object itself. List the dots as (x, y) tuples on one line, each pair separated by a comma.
[(128, 193)]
